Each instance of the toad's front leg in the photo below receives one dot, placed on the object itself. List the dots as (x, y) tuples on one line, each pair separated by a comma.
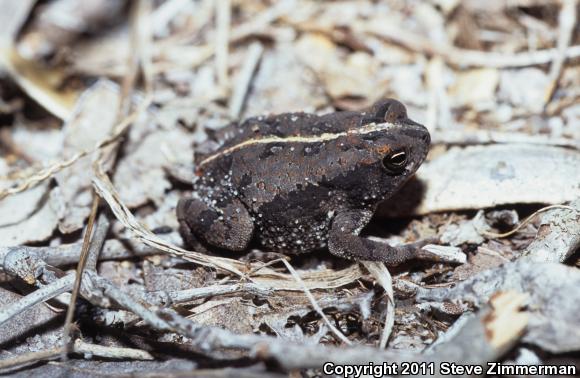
[(344, 241)]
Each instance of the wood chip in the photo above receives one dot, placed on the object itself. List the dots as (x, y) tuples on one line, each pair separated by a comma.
[(488, 176)]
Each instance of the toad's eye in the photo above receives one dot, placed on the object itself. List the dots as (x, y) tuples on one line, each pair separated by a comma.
[(395, 161)]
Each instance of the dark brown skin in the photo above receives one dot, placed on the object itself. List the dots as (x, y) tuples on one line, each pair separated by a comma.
[(300, 182)]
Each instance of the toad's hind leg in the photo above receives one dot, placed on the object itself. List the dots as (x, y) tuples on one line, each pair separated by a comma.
[(227, 225)]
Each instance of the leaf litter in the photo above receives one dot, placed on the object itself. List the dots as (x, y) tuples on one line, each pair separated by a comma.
[(497, 87)]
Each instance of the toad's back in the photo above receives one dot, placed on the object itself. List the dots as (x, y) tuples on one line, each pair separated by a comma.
[(282, 126)]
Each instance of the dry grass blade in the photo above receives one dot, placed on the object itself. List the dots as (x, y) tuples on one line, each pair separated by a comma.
[(380, 272), (323, 279), (315, 304), (107, 191), (54, 168)]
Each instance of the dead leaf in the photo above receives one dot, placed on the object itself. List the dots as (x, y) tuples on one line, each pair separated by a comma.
[(524, 88), (59, 23), (270, 92), (38, 226), (93, 120), (475, 87), (140, 175), (343, 75), (19, 207), (39, 82)]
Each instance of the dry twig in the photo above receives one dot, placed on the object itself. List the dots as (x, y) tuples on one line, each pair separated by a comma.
[(567, 23), (462, 57), (558, 235), (223, 15), (90, 249), (41, 295), (80, 347), (244, 79)]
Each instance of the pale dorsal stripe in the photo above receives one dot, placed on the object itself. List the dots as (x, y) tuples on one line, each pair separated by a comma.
[(324, 137)]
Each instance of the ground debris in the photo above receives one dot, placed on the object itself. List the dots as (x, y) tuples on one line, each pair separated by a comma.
[(110, 100), (552, 291)]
